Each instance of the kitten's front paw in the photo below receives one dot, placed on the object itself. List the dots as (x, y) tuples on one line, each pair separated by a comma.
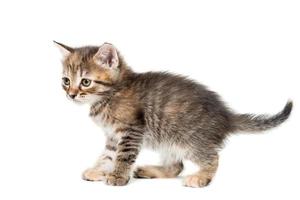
[(196, 181), (93, 174), (116, 179)]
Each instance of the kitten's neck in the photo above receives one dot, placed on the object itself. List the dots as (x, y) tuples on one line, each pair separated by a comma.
[(98, 106), (125, 77), (125, 71)]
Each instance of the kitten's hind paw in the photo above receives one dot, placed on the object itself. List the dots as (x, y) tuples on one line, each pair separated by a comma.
[(196, 181), (93, 174), (153, 171), (141, 172)]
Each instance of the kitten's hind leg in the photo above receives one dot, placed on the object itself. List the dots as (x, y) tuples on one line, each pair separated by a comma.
[(204, 175), (152, 171)]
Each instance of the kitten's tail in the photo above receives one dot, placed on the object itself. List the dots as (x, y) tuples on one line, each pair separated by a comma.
[(253, 123)]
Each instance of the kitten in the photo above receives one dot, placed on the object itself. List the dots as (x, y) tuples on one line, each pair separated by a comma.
[(171, 114)]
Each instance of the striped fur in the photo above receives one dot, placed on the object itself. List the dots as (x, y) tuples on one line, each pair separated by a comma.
[(178, 117)]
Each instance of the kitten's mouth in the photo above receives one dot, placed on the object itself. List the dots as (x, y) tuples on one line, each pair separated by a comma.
[(78, 101), (85, 99)]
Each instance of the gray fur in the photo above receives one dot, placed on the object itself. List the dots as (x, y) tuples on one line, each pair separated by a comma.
[(169, 113)]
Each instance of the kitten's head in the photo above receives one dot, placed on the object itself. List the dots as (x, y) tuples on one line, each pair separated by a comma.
[(90, 72)]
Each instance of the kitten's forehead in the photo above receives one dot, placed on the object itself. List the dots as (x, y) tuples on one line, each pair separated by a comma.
[(75, 66), (80, 59)]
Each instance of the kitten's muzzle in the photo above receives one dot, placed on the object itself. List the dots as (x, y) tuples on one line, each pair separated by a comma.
[(72, 96)]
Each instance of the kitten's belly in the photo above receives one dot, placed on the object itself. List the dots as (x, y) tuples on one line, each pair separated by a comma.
[(170, 152)]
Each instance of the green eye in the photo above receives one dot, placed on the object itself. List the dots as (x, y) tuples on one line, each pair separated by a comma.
[(66, 81), (85, 82)]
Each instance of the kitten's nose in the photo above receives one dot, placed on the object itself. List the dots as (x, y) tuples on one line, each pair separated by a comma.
[(72, 96)]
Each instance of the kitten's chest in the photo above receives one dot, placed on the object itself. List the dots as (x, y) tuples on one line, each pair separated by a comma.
[(107, 127)]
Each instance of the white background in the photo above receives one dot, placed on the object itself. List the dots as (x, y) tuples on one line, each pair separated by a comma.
[(247, 51)]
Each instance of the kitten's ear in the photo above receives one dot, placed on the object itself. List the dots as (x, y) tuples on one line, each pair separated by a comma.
[(64, 49), (107, 56)]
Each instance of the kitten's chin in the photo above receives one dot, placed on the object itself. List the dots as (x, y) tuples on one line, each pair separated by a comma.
[(78, 102)]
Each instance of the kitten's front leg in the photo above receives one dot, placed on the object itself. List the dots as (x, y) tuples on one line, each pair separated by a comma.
[(105, 163), (127, 151)]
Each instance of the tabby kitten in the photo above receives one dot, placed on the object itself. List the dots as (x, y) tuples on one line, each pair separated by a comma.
[(168, 113)]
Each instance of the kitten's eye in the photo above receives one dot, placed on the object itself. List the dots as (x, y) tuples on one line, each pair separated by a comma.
[(66, 81), (86, 82)]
